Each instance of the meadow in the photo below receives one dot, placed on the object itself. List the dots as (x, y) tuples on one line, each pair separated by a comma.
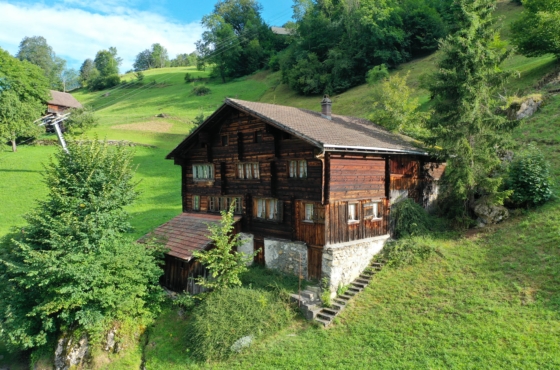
[(491, 300)]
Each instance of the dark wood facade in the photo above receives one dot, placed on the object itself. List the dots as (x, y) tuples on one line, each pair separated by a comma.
[(348, 194)]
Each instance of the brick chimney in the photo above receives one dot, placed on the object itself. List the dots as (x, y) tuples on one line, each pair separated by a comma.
[(326, 105)]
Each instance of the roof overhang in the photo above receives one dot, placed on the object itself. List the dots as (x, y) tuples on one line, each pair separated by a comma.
[(370, 150)]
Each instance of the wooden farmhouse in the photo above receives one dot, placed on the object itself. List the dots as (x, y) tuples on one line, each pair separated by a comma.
[(312, 191), (59, 104)]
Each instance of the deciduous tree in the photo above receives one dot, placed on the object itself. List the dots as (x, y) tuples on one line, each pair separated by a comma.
[(36, 51)]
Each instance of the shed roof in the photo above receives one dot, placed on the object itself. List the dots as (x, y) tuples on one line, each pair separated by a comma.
[(63, 99), (186, 233)]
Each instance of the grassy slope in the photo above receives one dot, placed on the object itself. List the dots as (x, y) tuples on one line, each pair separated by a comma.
[(478, 307)]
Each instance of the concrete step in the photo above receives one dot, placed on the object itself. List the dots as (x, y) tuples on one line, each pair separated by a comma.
[(377, 264), (339, 306), (361, 281), (331, 311), (346, 296), (358, 284), (366, 277), (325, 323), (325, 316), (307, 294)]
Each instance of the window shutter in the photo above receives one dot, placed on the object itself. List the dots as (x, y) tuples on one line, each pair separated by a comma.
[(280, 210)]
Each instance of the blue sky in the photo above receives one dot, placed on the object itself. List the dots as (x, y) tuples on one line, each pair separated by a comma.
[(77, 29)]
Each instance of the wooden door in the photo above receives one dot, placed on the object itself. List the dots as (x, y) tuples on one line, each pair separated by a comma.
[(258, 245), (314, 262)]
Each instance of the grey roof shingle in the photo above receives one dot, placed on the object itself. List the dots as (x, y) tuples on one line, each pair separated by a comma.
[(63, 99), (338, 133)]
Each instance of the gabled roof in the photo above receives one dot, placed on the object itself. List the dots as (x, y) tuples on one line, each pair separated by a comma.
[(186, 233), (340, 133), (63, 99)]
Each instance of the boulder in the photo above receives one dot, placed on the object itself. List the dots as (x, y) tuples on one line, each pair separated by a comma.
[(528, 108), (71, 354), (489, 213)]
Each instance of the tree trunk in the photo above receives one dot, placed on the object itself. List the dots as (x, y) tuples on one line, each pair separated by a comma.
[(14, 147)]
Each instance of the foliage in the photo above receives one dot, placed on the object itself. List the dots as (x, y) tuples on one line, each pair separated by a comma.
[(377, 74), (101, 83), (81, 120), (88, 71), (139, 76), (537, 31), (201, 90), (464, 123), (23, 89), (408, 218), (325, 292), (408, 251), (223, 261), (36, 51), (72, 266), (184, 60), (185, 300), (199, 119), (237, 41), (337, 43), (107, 62), (529, 178), (70, 79), (230, 314), (395, 110), (156, 57)]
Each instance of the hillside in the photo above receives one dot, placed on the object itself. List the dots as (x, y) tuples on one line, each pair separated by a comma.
[(491, 301)]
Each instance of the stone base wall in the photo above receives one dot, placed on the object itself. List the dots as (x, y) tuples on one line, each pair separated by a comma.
[(344, 262), (285, 255), (247, 247)]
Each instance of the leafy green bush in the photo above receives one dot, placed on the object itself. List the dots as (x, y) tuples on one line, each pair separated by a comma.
[(529, 178), (185, 300), (408, 251), (228, 315), (201, 90), (408, 218), (377, 73)]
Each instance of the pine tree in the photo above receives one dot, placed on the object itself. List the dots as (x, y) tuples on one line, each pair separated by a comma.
[(72, 267), (465, 129)]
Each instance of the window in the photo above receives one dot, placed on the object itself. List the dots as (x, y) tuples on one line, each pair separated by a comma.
[(268, 209), (298, 169), (248, 170), (373, 210), (353, 212), (225, 140), (258, 137), (196, 202), (203, 171), (308, 212), (217, 204), (314, 213), (286, 136)]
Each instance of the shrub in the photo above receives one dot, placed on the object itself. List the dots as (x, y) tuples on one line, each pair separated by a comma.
[(185, 300), (408, 218), (529, 178), (377, 73), (408, 251), (201, 90), (188, 78), (228, 315)]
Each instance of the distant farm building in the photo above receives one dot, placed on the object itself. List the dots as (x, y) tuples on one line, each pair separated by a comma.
[(61, 102)]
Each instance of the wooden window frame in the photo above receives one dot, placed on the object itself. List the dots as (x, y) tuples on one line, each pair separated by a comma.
[(198, 166), (196, 202), (317, 213), (224, 139), (268, 203), (218, 203), (356, 215), (295, 169), (377, 203), (254, 167)]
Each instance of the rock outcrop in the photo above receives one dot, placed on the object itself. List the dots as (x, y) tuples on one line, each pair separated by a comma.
[(71, 354), (488, 213)]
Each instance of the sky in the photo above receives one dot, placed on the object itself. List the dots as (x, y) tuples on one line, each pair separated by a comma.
[(77, 29)]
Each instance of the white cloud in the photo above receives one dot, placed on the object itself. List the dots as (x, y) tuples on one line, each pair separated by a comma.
[(76, 34)]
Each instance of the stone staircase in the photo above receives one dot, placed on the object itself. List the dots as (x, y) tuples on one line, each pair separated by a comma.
[(325, 315)]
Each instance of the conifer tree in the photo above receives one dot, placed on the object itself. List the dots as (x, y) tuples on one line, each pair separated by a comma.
[(72, 267), (465, 129)]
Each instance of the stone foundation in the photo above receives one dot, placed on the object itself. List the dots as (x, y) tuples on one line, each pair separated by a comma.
[(344, 262), (247, 246), (285, 255)]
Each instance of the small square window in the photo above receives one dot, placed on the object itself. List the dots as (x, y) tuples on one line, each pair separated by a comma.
[(353, 212), (225, 140), (196, 203), (373, 210), (298, 169), (258, 137)]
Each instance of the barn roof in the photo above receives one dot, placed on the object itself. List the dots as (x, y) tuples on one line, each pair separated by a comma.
[(340, 133), (63, 99), (185, 233)]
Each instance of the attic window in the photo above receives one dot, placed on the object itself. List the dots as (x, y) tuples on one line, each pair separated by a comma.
[(257, 137), (298, 169), (225, 140)]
